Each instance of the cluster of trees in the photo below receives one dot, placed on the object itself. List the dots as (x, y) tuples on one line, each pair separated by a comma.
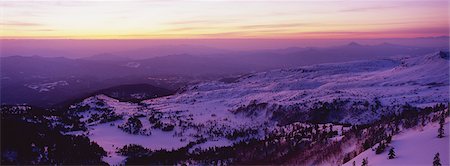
[(103, 117), (252, 109), (274, 148), (155, 119), (365, 162), (28, 138), (211, 129), (441, 126), (381, 131), (163, 126), (297, 142), (325, 112), (99, 113), (138, 155), (241, 133), (133, 125), (134, 151)]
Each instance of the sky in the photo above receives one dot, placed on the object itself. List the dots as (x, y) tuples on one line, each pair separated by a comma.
[(216, 19)]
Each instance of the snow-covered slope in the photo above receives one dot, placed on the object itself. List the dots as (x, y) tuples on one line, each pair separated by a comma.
[(420, 81), (220, 114), (412, 147), (171, 129)]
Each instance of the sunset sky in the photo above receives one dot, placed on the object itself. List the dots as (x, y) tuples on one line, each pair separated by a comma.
[(174, 19)]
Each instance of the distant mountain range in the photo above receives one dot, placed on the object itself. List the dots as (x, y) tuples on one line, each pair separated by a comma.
[(47, 81)]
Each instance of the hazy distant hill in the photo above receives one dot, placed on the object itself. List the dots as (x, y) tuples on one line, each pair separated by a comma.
[(135, 92), (40, 80)]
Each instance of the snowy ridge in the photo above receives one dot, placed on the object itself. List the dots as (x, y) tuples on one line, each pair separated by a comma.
[(220, 114), (421, 80)]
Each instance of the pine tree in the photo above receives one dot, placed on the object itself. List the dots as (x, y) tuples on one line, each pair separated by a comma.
[(391, 153), (437, 160), (441, 127), (365, 162)]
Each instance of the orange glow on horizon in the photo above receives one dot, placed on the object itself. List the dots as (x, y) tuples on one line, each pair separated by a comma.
[(222, 19)]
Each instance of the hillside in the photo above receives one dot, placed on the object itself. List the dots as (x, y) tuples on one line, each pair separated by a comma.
[(419, 81), (415, 146), (33, 78), (219, 114)]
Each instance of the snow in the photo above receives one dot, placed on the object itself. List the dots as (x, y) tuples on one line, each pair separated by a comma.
[(114, 159), (420, 81), (110, 138), (132, 64), (412, 147), (45, 87)]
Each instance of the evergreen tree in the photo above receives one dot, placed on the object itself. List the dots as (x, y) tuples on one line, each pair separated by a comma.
[(391, 153), (354, 163), (365, 162), (437, 160), (441, 127)]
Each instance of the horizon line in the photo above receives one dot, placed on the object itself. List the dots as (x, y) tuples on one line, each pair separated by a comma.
[(418, 37)]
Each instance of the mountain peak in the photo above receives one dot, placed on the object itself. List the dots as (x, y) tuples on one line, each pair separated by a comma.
[(353, 44)]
